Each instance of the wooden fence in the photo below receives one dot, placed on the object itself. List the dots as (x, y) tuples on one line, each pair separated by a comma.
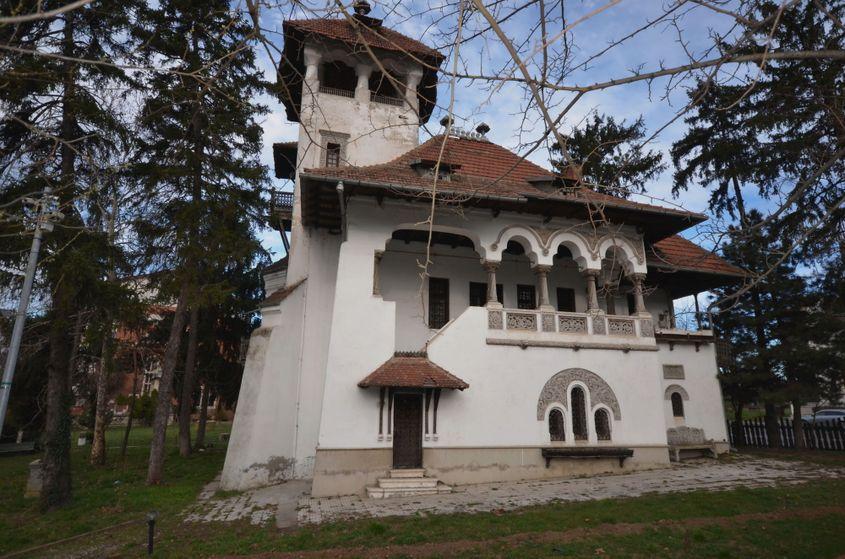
[(818, 436)]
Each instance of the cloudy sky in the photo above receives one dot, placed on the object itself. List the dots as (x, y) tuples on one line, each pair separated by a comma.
[(664, 44)]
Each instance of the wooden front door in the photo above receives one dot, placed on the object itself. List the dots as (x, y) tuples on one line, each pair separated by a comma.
[(407, 431)]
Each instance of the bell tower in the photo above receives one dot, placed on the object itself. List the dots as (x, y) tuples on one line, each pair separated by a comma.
[(359, 90)]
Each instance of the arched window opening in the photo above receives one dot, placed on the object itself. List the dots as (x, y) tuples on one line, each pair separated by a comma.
[(579, 414), (677, 404), (602, 421), (556, 426)]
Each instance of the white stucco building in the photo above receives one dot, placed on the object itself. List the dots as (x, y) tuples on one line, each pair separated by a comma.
[(543, 320)]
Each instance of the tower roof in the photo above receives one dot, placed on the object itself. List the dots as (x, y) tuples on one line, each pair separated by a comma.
[(358, 33)]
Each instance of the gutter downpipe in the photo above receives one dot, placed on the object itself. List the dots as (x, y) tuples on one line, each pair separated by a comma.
[(342, 203)]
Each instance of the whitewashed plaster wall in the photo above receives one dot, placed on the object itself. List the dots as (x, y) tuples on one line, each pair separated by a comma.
[(505, 382), (705, 407)]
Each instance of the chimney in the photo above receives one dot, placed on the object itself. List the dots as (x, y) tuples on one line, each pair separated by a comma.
[(446, 121), (361, 7), (482, 129)]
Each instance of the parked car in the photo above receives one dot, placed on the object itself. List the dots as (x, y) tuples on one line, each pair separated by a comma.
[(826, 416)]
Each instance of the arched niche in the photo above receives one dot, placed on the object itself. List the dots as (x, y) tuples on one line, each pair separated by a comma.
[(672, 388), (556, 390), (526, 238), (622, 250)]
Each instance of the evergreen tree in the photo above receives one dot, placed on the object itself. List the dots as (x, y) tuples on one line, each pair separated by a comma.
[(57, 129), (200, 143), (611, 159)]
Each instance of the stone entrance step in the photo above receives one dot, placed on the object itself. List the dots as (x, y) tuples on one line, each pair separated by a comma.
[(404, 483)]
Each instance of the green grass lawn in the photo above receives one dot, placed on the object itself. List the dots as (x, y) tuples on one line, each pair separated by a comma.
[(104, 496), (788, 521)]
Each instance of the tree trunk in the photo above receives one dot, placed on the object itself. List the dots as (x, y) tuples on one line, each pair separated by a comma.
[(163, 407), (739, 432), (186, 401), (200, 442), (98, 447), (132, 400), (55, 463), (771, 423), (798, 425)]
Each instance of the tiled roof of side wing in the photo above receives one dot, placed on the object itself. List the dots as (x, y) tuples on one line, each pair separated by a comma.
[(485, 169), (412, 371), (676, 251), (378, 37)]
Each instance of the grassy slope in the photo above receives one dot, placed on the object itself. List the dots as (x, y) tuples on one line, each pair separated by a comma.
[(105, 496), (101, 502)]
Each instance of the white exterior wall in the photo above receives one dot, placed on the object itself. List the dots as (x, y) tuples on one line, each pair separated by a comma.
[(705, 407)]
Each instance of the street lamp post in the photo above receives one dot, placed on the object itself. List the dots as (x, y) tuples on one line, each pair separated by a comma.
[(44, 222)]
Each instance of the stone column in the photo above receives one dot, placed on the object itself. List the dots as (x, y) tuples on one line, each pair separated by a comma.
[(542, 272), (411, 84), (312, 59), (362, 88), (610, 297), (492, 299), (639, 302), (592, 296)]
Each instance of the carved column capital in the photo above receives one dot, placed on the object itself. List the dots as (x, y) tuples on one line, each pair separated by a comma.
[(489, 265), (541, 269)]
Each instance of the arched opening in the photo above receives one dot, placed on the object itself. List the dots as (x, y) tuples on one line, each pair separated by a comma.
[(443, 295), (338, 79), (384, 87), (557, 431), (602, 423), (677, 404), (579, 413)]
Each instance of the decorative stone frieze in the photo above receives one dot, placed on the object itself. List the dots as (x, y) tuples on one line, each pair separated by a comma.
[(521, 321), (556, 390), (548, 322), (494, 320), (620, 326), (673, 372), (572, 324), (599, 327)]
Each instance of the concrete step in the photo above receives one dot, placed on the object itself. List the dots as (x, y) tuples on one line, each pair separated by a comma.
[(382, 493), (419, 472), (407, 483)]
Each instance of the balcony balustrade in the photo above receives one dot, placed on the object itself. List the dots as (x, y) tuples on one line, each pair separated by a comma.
[(566, 329)]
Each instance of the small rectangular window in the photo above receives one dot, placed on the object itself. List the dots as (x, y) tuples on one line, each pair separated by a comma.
[(438, 302), (332, 155), (565, 299), (526, 297), (478, 293)]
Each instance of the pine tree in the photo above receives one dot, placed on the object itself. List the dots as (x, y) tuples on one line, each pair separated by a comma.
[(200, 143), (611, 158), (57, 130)]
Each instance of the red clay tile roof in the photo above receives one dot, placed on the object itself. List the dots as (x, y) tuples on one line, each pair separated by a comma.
[(481, 168), (376, 36), (412, 370), (281, 294), (678, 252)]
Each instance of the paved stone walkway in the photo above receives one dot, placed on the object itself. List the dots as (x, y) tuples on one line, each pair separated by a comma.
[(289, 501)]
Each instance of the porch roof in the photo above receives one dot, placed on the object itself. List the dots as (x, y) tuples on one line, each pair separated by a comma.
[(412, 370)]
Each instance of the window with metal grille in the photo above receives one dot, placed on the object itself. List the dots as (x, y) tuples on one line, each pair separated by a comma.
[(332, 155), (438, 302), (478, 293), (526, 298), (602, 421), (579, 413), (677, 404), (556, 426), (565, 299)]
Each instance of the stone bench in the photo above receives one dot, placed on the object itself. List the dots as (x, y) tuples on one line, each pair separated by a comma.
[(688, 438), (581, 452)]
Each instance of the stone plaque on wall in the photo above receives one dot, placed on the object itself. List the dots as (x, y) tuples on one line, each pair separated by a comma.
[(673, 371)]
